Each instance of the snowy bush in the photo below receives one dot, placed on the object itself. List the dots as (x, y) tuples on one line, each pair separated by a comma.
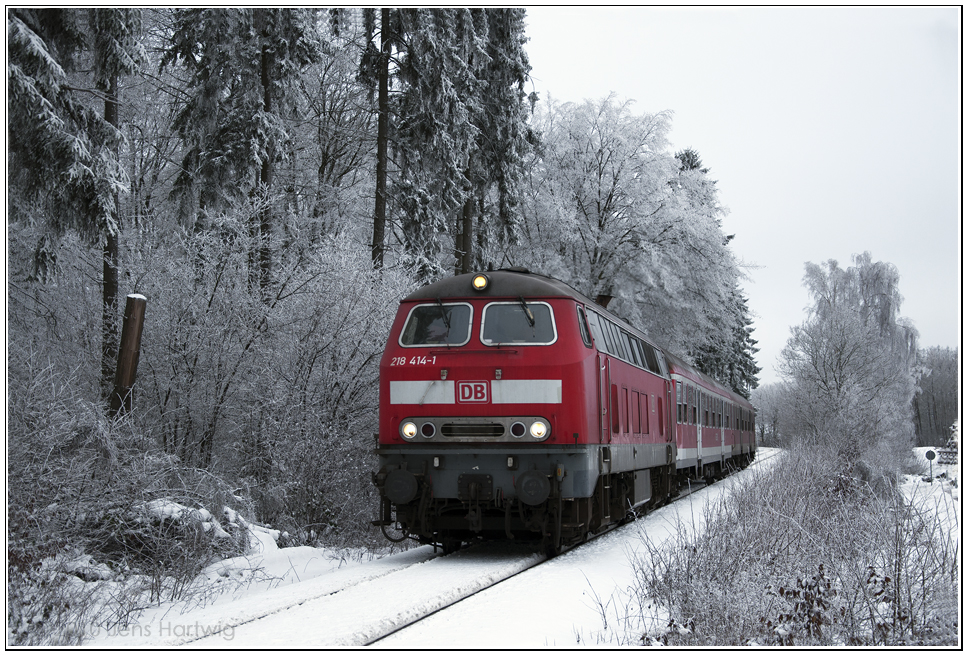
[(78, 485), (806, 554), (278, 395)]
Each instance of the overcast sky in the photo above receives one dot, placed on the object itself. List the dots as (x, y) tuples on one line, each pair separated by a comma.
[(831, 131)]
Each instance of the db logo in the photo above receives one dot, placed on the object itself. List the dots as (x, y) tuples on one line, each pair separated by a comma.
[(472, 392)]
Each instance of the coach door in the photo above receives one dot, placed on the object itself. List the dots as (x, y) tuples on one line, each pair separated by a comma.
[(699, 409), (671, 421)]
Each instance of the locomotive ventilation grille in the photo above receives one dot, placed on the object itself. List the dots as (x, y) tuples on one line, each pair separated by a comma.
[(475, 429)]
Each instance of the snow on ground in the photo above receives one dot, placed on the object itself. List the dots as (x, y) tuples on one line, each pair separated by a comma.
[(289, 596), (362, 613), (941, 494), (246, 588), (558, 603)]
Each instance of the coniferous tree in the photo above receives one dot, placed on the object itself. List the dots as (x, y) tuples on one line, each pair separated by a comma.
[(504, 139), (451, 94), (243, 67), (433, 132), (65, 154)]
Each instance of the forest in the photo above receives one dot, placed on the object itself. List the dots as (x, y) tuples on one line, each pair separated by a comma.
[(273, 181)]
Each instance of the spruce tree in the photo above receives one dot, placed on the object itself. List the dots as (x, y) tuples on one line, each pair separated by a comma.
[(64, 155), (243, 67)]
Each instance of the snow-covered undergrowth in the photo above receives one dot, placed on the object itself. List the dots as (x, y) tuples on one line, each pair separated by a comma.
[(807, 553), (72, 598)]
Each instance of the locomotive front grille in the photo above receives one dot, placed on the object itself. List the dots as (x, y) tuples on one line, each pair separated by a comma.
[(472, 430)]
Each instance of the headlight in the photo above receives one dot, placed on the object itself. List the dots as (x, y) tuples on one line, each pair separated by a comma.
[(539, 429), (408, 430), (479, 283)]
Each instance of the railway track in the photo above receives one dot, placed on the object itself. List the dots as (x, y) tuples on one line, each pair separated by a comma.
[(363, 612)]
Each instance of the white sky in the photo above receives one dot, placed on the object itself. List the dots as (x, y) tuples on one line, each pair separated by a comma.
[(830, 130)]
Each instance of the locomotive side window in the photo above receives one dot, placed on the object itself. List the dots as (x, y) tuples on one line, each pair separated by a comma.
[(652, 360), (518, 323), (593, 323), (583, 327), (613, 336), (609, 342), (611, 339), (633, 355), (639, 352), (437, 324)]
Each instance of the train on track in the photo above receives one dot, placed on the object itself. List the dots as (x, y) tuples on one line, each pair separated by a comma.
[(512, 407)]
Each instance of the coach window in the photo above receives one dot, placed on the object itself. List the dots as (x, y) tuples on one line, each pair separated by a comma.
[(691, 410), (518, 323), (583, 327), (678, 403), (437, 324)]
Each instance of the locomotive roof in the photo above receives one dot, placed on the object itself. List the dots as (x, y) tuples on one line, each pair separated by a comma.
[(503, 283)]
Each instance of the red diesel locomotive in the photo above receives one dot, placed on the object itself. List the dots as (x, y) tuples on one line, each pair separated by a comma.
[(512, 407)]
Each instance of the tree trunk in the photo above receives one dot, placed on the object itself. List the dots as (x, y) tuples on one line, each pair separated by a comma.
[(382, 136), (109, 283), (265, 213), (465, 235)]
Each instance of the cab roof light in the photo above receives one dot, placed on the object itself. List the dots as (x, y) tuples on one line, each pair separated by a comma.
[(480, 282)]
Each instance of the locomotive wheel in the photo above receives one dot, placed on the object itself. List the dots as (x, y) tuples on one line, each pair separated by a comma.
[(450, 545)]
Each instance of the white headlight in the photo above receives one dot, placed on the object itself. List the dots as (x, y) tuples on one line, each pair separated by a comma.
[(539, 429), (408, 430)]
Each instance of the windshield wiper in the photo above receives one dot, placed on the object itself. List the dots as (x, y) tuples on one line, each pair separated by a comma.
[(443, 314), (527, 312)]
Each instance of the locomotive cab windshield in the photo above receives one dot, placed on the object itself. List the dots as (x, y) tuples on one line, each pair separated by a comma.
[(437, 324), (518, 323)]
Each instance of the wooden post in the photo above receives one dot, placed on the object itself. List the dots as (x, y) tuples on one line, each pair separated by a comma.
[(134, 317)]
